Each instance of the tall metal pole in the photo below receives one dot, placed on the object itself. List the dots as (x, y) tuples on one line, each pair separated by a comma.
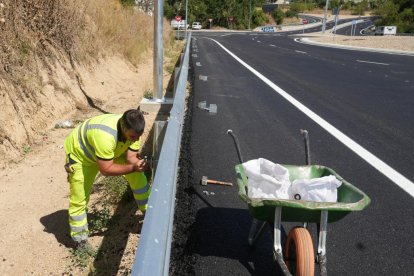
[(336, 19), (325, 16), (158, 50), (250, 12), (186, 18)]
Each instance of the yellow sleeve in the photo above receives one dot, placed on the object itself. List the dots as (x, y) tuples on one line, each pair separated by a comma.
[(135, 146)]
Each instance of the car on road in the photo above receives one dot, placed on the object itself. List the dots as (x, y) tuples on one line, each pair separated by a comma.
[(196, 26), (386, 30)]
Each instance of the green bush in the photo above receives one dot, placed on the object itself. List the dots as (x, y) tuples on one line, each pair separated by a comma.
[(405, 21), (259, 18), (360, 8), (278, 15), (291, 13), (294, 9)]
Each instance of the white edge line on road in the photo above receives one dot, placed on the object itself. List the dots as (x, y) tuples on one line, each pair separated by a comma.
[(403, 182), (379, 63)]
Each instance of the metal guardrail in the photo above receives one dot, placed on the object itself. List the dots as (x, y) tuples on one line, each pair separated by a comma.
[(153, 252)]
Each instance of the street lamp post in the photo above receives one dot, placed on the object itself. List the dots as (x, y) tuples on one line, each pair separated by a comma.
[(250, 12), (158, 50), (325, 17), (186, 18)]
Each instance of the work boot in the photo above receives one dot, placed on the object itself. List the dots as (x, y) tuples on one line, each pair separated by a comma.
[(84, 248)]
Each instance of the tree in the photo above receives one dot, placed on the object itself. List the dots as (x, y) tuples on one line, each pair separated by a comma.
[(391, 13), (387, 11), (406, 21)]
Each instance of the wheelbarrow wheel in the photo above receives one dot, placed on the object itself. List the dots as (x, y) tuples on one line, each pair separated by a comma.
[(299, 254)]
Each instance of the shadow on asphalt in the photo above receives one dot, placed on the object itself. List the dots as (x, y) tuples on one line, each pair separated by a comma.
[(217, 227)]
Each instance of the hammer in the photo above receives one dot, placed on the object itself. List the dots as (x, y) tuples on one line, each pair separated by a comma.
[(205, 181)]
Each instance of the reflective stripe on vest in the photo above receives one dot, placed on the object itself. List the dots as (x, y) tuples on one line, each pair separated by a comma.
[(82, 145), (85, 130)]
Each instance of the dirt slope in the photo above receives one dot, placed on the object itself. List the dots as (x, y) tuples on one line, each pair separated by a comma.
[(34, 193)]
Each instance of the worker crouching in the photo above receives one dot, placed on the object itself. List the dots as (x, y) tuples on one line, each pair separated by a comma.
[(108, 144)]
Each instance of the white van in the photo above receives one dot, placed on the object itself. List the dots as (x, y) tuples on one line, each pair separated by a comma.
[(386, 30), (196, 26)]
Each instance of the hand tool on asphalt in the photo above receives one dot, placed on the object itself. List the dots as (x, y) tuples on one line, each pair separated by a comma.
[(205, 181)]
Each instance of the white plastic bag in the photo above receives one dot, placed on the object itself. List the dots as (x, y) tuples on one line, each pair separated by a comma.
[(323, 189), (266, 179)]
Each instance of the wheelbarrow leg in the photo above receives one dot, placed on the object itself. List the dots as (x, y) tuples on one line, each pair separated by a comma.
[(277, 246), (253, 234), (322, 242)]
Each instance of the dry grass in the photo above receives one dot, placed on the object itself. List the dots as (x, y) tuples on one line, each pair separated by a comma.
[(118, 29), (28, 29), (80, 29), (122, 30), (39, 37)]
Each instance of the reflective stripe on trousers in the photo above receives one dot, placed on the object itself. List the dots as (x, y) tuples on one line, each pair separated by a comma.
[(139, 185), (80, 180)]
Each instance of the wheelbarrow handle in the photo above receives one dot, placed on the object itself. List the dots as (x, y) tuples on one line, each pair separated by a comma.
[(236, 143), (307, 149)]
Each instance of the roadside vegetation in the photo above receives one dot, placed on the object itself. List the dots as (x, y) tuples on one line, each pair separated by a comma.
[(398, 13), (83, 30), (37, 35)]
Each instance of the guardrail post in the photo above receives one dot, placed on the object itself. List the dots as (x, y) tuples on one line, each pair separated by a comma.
[(159, 134)]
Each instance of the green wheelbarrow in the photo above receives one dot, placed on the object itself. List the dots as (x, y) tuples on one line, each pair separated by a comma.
[(298, 257)]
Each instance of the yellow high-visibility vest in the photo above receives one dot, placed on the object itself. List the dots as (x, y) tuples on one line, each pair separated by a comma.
[(98, 137)]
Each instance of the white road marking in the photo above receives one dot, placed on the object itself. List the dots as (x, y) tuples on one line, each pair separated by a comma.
[(302, 52), (202, 77), (228, 96), (379, 63), (403, 182), (271, 45)]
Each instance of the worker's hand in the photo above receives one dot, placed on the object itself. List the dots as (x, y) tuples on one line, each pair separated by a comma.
[(140, 165)]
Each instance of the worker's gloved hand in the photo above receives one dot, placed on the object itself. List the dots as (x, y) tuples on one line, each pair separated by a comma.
[(140, 166)]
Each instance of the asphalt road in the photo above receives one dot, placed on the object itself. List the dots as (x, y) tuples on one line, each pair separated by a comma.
[(367, 96), (355, 29)]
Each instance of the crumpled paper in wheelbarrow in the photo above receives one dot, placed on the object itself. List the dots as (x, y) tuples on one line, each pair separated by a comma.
[(323, 189), (268, 180)]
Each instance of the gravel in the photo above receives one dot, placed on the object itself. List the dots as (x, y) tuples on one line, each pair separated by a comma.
[(399, 43)]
